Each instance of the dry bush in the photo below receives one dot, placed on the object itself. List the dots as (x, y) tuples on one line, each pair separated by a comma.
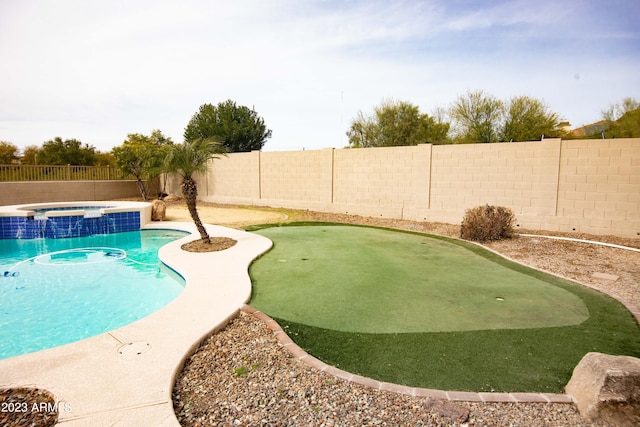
[(484, 223)]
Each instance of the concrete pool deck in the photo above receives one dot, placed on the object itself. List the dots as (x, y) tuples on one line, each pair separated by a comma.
[(126, 376)]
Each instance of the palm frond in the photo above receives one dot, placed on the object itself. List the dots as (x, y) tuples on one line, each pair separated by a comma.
[(192, 157)]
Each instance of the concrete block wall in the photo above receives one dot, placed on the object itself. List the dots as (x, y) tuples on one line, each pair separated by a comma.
[(599, 186), (21, 192), (588, 186), (233, 179), (522, 176), (297, 179), (382, 182)]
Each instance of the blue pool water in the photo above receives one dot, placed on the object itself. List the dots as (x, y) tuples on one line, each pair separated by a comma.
[(57, 291)]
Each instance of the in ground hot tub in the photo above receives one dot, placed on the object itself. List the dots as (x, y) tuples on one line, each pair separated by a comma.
[(71, 219)]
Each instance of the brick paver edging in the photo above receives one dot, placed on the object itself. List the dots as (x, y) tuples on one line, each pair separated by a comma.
[(459, 396)]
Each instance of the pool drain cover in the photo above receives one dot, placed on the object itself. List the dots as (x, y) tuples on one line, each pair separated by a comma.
[(134, 348)]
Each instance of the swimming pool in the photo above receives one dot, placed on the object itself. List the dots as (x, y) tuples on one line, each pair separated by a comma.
[(57, 291)]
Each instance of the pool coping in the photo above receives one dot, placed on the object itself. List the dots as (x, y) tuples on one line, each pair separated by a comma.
[(72, 219), (126, 376), (28, 209)]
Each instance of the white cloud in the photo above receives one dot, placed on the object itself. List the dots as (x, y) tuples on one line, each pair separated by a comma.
[(98, 70), (512, 13)]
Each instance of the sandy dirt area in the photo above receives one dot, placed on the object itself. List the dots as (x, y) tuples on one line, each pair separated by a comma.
[(234, 217)]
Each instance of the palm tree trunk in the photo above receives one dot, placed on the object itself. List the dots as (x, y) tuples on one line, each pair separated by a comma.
[(190, 192)]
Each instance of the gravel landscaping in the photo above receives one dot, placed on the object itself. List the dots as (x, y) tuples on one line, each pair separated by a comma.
[(243, 376)]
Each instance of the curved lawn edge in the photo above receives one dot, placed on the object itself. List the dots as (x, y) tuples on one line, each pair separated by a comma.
[(634, 310), (474, 247), (372, 280), (607, 318), (459, 396)]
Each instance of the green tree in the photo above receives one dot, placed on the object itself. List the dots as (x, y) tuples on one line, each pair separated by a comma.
[(477, 117), (396, 123), (105, 159), (142, 157), (187, 159), (67, 152), (363, 132), (441, 131), (8, 153), (527, 119), (238, 127), (623, 120), (616, 111), (30, 155), (627, 126)]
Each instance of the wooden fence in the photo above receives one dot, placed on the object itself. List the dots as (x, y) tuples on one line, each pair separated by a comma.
[(60, 173)]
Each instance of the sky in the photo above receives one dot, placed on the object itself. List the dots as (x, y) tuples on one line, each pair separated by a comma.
[(99, 70)]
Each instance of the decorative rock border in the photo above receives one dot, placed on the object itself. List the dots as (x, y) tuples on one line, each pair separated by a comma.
[(457, 396)]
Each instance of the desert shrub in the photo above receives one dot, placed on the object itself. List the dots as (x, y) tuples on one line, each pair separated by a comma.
[(487, 222)]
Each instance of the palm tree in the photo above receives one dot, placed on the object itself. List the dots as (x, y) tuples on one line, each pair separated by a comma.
[(187, 159)]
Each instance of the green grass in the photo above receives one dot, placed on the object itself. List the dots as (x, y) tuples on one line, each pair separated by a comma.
[(423, 310), (399, 282)]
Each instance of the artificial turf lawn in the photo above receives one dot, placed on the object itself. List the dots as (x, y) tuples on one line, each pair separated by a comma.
[(345, 295), (371, 280)]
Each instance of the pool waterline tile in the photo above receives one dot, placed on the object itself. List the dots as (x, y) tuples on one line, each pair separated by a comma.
[(68, 226)]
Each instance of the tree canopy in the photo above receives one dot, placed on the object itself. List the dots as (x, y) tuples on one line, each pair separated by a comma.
[(395, 123), (623, 119), (187, 159), (30, 155), (527, 119), (627, 126), (480, 117), (238, 127), (142, 157), (8, 153), (67, 152), (477, 117), (617, 110)]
